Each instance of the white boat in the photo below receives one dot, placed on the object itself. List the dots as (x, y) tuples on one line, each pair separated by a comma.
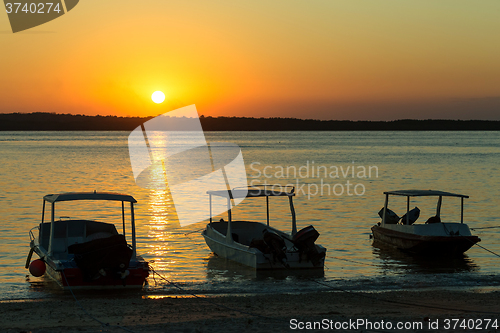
[(80, 253), (433, 237), (258, 245)]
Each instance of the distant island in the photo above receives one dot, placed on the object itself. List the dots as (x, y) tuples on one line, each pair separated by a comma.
[(41, 121)]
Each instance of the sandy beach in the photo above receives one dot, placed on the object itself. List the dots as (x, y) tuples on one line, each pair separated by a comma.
[(434, 310)]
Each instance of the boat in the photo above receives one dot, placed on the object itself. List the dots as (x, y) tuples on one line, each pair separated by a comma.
[(258, 245), (434, 237), (87, 254)]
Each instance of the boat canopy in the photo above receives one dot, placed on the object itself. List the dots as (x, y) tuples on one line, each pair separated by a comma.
[(253, 192), (424, 193), (53, 198), (88, 196)]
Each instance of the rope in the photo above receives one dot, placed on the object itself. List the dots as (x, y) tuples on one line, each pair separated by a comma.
[(226, 307), (209, 301), (403, 303), (498, 226), (187, 233), (354, 261), (483, 248), (406, 303), (103, 324), (447, 231), (487, 250)]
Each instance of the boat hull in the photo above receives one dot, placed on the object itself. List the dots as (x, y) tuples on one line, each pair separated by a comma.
[(68, 275), (424, 244), (73, 278)]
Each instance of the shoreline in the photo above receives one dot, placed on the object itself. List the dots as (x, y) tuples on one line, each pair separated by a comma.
[(43, 121), (252, 313), (58, 293)]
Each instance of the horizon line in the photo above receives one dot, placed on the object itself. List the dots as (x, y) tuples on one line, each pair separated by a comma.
[(246, 117)]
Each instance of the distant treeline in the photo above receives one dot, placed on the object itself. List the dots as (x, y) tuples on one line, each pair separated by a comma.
[(42, 121), (67, 122)]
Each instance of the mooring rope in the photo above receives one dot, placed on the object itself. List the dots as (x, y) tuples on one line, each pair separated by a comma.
[(208, 300), (497, 226), (487, 250), (103, 324), (400, 302)]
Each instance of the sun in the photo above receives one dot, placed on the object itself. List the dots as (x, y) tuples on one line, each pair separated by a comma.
[(158, 97)]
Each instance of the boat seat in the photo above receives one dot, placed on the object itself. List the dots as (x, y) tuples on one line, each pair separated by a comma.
[(60, 248), (60, 242), (69, 232), (93, 227), (44, 234), (236, 237), (433, 219)]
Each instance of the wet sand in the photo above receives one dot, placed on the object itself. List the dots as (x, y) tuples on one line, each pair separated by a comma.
[(261, 313)]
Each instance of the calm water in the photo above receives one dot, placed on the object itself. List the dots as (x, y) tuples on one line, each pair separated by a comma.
[(34, 164)]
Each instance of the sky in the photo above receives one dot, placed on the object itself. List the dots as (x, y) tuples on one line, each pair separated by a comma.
[(319, 59)]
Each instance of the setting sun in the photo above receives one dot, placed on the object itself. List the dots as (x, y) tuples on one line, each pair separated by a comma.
[(158, 97)]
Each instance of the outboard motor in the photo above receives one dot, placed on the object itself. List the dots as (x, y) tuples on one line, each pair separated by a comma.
[(412, 216), (277, 246), (304, 241), (390, 218)]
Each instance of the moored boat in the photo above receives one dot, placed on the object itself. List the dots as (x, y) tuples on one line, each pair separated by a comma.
[(80, 253), (258, 245), (433, 237)]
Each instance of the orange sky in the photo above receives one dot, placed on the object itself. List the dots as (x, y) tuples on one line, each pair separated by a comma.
[(321, 59)]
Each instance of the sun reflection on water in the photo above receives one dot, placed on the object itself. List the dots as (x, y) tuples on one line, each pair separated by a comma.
[(162, 220), (172, 296)]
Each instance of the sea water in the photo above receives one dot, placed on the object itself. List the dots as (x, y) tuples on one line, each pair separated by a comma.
[(339, 178)]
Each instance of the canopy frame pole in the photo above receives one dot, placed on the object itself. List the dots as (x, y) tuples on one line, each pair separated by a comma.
[(41, 226), (51, 238), (123, 219), (462, 210), (407, 210), (267, 209), (132, 216), (294, 218), (229, 233), (43, 211), (385, 208), (438, 208), (210, 204), (229, 215)]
